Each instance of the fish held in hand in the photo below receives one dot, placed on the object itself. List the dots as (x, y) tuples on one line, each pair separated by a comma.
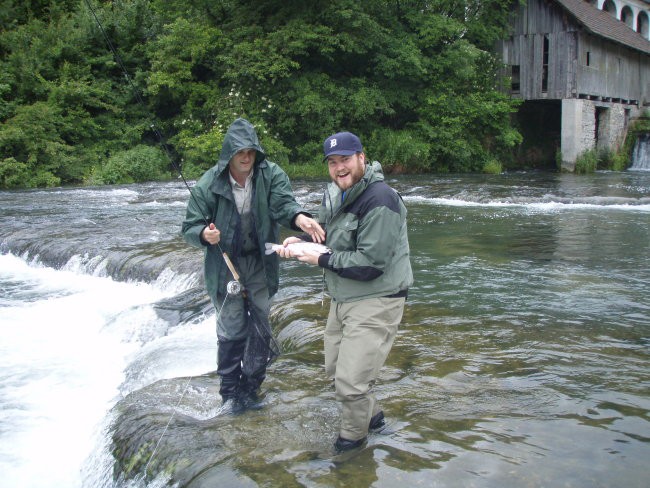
[(298, 248)]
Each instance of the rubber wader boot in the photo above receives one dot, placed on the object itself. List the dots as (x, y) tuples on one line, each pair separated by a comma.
[(229, 357), (249, 390), (377, 422), (256, 359), (343, 445)]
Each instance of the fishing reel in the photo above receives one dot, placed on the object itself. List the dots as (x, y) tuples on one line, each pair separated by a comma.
[(234, 288)]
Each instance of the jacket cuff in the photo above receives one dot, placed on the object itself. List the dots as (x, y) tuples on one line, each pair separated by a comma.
[(203, 241), (324, 260)]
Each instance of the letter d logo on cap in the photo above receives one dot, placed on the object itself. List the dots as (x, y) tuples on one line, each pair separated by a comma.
[(342, 144)]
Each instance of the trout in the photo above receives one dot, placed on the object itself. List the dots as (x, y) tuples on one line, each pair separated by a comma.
[(298, 248)]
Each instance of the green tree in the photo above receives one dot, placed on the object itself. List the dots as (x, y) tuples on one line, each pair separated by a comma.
[(415, 79)]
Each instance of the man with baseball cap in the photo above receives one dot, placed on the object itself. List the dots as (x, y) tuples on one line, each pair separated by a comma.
[(368, 275)]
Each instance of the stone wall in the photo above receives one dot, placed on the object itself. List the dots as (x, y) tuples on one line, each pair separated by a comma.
[(588, 124), (613, 132), (587, 139)]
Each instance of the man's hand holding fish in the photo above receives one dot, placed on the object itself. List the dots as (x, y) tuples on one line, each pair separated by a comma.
[(293, 247)]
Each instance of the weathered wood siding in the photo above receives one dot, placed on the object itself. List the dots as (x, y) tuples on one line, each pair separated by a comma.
[(538, 17), (526, 51), (532, 23), (614, 71)]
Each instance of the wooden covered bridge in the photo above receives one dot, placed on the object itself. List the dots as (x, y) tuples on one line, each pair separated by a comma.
[(583, 71)]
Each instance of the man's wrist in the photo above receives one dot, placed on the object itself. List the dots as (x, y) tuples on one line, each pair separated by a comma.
[(294, 222)]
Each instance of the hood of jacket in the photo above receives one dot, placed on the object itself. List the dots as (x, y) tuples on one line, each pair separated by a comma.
[(372, 173), (240, 135)]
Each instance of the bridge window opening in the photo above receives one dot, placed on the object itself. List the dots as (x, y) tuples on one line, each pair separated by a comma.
[(602, 127), (610, 7), (642, 24), (588, 59), (545, 65), (515, 85), (627, 16)]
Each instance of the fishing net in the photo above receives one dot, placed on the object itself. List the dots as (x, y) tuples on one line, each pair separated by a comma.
[(261, 347)]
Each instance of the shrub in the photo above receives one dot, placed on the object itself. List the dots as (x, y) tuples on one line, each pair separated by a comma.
[(274, 149), (141, 163), (199, 151), (397, 150), (14, 174), (586, 162), (620, 161), (493, 167), (614, 160)]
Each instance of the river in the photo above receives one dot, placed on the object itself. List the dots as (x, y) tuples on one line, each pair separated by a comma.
[(522, 359)]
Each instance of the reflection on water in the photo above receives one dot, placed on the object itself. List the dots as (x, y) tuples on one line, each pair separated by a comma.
[(523, 354), (522, 359)]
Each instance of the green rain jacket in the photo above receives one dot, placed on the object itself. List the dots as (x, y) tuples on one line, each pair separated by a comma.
[(272, 203), (368, 237)]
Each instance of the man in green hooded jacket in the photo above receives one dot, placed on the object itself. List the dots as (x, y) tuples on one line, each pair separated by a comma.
[(235, 208), (368, 274)]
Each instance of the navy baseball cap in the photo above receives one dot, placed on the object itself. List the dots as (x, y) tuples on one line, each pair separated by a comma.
[(342, 144)]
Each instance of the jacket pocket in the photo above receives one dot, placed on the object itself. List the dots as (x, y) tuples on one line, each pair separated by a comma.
[(347, 235), (351, 225)]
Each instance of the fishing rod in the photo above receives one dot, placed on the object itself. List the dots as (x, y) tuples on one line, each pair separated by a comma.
[(236, 286), (233, 287), (136, 92), (138, 97)]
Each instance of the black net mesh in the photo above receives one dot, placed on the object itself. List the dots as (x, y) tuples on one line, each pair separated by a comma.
[(261, 347)]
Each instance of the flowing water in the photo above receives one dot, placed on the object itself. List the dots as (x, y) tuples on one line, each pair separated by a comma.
[(522, 359), (641, 154)]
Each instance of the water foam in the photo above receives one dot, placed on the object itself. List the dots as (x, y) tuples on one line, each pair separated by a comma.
[(551, 205), (60, 365)]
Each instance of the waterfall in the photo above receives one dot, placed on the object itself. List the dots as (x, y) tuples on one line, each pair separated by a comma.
[(641, 153)]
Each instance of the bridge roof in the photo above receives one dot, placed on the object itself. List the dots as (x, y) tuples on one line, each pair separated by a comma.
[(602, 24)]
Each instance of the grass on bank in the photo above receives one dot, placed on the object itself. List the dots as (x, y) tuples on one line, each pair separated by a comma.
[(306, 171), (120, 172), (607, 159)]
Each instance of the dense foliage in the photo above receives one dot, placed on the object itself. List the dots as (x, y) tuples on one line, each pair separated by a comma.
[(415, 79)]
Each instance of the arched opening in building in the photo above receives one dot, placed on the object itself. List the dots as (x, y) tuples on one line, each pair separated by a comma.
[(627, 16), (610, 7), (643, 24)]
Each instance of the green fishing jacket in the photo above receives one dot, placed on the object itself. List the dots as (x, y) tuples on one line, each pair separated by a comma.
[(212, 201), (368, 237)]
